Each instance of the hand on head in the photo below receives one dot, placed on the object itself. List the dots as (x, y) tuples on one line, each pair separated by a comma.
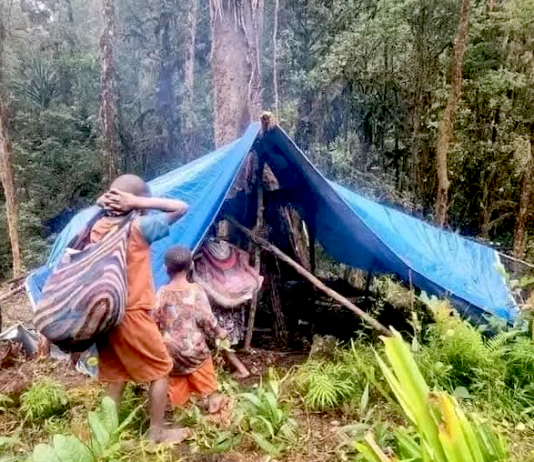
[(118, 201)]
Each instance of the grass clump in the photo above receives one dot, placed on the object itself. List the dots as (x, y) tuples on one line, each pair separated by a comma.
[(43, 400)]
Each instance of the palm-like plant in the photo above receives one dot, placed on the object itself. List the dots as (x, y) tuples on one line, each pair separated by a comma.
[(38, 83), (442, 432)]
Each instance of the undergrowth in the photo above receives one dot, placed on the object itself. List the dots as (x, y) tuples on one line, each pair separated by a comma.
[(491, 376), (44, 399)]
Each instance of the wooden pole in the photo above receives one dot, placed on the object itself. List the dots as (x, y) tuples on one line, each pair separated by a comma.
[(257, 257), (373, 323), (311, 235)]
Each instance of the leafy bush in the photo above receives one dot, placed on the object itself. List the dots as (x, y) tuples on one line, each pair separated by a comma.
[(267, 419), (104, 445), (134, 399), (496, 371), (442, 432), (43, 400)]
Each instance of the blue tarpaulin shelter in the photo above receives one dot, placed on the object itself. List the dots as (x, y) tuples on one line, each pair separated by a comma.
[(352, 229)]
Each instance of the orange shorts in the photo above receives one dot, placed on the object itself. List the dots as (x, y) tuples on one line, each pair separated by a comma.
[(133, 351), (202, 381)]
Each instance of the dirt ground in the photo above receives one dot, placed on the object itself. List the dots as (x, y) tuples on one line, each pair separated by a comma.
[(16, 309)]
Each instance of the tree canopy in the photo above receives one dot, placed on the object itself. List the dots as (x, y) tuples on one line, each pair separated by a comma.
[(362, 85)]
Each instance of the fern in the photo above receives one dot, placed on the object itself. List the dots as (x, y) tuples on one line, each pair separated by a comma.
[(499, 344), (327, 389)]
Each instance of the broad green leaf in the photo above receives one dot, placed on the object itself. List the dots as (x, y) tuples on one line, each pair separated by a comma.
[(71, 449), (253, 399), (368, 453), (108, 415), (270, 448), (10, 441), (461, 392), (44, 453), (100, 437)]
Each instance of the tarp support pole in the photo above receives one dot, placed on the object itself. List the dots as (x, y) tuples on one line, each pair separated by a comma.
[(257, 254), (311, 235), (371, 322)]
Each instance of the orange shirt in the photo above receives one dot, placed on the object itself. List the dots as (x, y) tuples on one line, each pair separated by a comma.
[(147, 229)]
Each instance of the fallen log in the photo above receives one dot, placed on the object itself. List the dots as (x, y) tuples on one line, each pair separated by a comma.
[(371, 322)]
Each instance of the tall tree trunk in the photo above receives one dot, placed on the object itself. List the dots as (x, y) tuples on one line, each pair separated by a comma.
[(108, 103), (447, 124), (189, 80), (237, 28), (275, 57), (7, 175), (520, 234), (165, 97)]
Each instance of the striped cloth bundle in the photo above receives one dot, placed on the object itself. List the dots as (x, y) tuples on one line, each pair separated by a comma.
[(86, 293)]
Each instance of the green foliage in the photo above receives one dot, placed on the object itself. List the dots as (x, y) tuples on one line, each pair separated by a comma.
[(327, 385), (5, 402), (207, 436), (43, 400), (133, 399), (267, 418), (104, 446), (442, 431)]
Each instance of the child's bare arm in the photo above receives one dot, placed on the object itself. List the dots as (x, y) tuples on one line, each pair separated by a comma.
[(124, 202)]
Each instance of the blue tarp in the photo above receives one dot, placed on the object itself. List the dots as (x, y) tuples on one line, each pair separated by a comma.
[(203, 184), (352, 229)]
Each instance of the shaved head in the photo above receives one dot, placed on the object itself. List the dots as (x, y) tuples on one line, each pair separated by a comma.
[(131, 184)]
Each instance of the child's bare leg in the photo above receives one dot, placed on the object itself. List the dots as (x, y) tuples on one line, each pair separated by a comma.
[(114, 391), (158, 404), (242, 371)]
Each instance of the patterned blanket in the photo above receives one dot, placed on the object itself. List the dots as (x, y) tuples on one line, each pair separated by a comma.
[(225, 273)]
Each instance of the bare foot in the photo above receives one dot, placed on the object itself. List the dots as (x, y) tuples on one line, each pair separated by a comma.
[(215, 403), (242, 374), (170, 435)]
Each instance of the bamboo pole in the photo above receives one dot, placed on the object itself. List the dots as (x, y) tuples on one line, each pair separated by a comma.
[(257, 258), (373, 323)]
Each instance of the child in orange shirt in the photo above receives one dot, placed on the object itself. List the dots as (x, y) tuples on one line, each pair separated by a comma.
[(184, 316), (134, 350)]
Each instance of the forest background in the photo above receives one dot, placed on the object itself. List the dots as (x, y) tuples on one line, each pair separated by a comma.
[(423, 105)]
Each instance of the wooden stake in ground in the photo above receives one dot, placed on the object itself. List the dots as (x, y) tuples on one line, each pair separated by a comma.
[(371, 322), (257, 258), (7, 175), (446, 127)]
